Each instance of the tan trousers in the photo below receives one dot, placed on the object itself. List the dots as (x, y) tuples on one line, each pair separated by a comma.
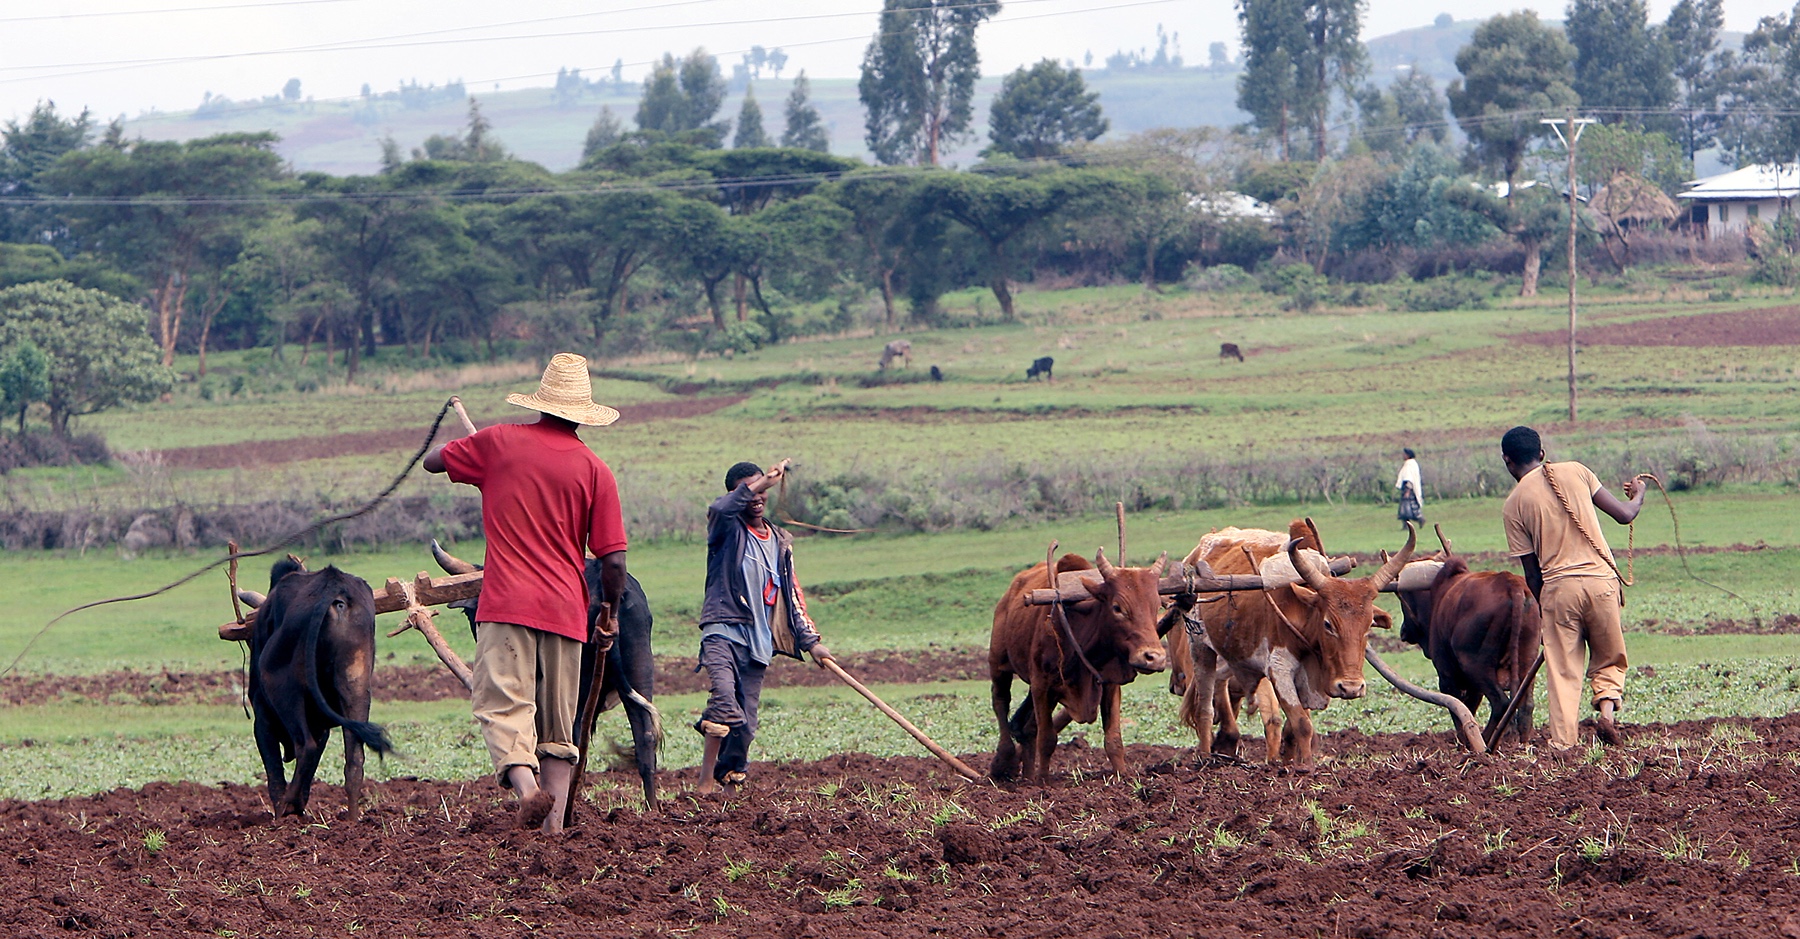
[(1578, 611), (526, 683)]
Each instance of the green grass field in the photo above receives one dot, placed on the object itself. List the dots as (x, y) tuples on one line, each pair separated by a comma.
[(1138, 384)]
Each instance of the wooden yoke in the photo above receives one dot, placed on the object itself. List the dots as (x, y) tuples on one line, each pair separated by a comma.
[(1071, 586), (419, 617), (425, 590)]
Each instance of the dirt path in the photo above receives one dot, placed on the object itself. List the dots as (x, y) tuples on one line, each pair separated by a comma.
[(1689, 832), (296, 449)]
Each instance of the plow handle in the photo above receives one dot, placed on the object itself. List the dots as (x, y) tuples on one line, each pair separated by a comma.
[(959, 766)]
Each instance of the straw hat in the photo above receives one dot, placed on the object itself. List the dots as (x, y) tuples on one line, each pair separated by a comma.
[(567, 392)]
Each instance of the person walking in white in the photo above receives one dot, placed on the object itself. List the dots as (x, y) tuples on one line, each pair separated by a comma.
[(1412, 499)]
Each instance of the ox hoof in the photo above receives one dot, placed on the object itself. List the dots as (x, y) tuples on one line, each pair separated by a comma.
[(534, 808)]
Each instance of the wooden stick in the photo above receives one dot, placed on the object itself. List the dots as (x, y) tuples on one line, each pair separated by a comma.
[(1524, 694), (457, 405), (590, 709), (237, 609), (419, 618), (1119, 509), (1466, 731), (961, 768)]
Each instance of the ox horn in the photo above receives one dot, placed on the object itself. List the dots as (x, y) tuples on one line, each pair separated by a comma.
[(449, 562), (252, 599), (1315, 578), (1442, 540), (1162, 564), (1391, 569), (1106, 567)]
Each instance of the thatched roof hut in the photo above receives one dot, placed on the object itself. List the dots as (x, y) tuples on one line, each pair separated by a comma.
[(1628, 201)]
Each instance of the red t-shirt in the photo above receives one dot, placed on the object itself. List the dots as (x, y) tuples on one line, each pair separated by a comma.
[(544, 495)]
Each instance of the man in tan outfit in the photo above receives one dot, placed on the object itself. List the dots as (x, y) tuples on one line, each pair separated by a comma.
[(1552, 528)]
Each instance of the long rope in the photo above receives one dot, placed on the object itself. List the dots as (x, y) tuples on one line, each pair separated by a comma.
[(1628, 577), (234, 556)]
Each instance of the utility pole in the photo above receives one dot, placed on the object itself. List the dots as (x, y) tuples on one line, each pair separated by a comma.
[(1576, 125)]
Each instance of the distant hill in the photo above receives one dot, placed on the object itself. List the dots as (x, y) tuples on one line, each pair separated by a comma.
[(536, 124)]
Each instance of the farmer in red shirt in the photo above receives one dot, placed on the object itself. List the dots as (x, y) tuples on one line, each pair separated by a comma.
[(544, 496)]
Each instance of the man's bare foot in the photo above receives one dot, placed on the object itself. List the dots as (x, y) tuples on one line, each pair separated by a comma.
[(535, 808), (1606, 727)]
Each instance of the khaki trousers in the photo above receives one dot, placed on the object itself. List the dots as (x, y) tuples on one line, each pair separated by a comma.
[(526, 684), (1581, 611)]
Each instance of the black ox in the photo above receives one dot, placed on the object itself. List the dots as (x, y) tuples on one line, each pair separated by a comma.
[(630, 675), (312, 667)]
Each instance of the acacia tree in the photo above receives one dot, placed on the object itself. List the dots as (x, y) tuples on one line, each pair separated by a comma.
[(156, 204), (1002, 212), (883, 207), (918, 77), (99, 356), (1040, 111)]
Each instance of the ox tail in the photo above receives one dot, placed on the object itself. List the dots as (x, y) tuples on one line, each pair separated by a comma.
[(372, 735), (635, 699)]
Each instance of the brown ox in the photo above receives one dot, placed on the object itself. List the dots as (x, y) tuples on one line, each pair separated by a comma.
[(1307, 638), (1109, 641), (1480, 630), (1227, 694)]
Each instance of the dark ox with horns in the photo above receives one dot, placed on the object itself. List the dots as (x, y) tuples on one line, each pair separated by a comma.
[(1307, 638), (1480, 630), (1074, 654), (630, 673), (312, 668)]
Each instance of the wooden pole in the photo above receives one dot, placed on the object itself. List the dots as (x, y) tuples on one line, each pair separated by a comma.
[(1119, 508), (419, 617), (959, 766), (1574, 134), (590, 709), (1466, 731), (457, 405), (1524, 694)]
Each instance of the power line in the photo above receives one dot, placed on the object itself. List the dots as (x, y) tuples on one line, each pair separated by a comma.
[(211, 9), (92, 68)]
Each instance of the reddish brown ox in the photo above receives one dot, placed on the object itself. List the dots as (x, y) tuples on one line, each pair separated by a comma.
[(1109, 641), (1480, 630), (1307, 638)]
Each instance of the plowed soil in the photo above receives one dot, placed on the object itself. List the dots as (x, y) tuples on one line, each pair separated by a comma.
[(1779, 326), (328, 446), (1690, 831)]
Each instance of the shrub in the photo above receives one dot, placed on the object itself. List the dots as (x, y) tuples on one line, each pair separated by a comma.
[(1218, 277), (1445, 294), (1779, 270), (19, 451)]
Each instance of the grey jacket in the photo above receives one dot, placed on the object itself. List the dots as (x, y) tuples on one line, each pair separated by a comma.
[(727, 538)]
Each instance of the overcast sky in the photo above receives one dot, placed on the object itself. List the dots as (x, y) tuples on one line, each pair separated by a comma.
[(114, 56)]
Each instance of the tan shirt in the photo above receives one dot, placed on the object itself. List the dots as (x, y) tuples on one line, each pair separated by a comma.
[(1537, 523)]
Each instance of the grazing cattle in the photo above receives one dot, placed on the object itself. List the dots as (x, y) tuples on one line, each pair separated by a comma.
[(312, 668), (936, 375), (1306, 637), (630, 673), (898, 349), (1480, 630), (1108, 641), (1229, 350), (1040, 367)]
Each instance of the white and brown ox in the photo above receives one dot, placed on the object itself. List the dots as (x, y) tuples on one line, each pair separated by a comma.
[(1077, 656), (1306, 633)]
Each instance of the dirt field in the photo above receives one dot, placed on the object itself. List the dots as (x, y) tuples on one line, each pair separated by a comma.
[(296, 449), (1689, 832), (1779, 326)]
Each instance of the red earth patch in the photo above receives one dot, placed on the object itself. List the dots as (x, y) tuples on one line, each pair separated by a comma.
[(1777, 326)]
